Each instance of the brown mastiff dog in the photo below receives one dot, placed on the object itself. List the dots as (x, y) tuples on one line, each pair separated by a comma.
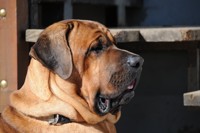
[(76, 82)]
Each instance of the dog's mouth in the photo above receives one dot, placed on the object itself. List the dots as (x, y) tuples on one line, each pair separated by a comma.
[(105, 105)]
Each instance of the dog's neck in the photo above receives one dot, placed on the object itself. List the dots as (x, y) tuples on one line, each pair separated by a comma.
[(41, 96)]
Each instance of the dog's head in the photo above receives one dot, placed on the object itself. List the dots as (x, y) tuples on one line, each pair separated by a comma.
[(84, 53)]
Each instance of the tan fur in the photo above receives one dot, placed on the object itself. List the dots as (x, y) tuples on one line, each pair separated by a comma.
[(44, 93), (27, 103)]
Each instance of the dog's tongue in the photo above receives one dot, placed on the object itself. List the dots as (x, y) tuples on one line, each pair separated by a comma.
[(132, 85)]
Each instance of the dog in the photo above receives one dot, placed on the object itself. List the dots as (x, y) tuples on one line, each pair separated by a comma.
[(77, 81)]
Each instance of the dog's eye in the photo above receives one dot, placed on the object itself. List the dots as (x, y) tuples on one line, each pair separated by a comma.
[(97, 48)]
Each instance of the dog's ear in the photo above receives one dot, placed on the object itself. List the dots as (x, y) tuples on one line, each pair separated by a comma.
[(53, 51)]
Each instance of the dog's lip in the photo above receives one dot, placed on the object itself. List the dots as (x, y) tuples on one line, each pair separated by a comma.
[(105, 105), (131, 86)]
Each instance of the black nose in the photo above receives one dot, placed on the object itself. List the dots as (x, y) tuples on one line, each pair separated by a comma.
[(135, 61)]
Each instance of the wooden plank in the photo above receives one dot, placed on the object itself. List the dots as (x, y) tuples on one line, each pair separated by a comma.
[(192, 98), (120, 35), (13, 49), (8, 50), (32, 34), (177, 34), (4, 99), (8, 44), (170, 34)]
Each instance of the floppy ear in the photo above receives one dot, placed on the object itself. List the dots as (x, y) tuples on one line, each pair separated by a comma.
[(53, 51)]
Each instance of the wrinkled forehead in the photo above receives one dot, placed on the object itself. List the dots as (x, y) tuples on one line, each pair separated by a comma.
[(87, 23), (90, 28), (95, 25)]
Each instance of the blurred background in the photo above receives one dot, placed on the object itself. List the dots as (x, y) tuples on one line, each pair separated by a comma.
[(171, 68)]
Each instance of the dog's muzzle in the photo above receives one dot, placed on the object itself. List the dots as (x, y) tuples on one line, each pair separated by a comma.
[(105, 105), (112, 104)]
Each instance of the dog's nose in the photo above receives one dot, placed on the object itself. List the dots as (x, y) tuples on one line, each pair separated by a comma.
[(135, 61)]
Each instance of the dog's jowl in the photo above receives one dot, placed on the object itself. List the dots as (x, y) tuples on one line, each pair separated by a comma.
[(77, 81)]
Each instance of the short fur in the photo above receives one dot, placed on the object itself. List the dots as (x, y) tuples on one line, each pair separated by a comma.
[(60, 80)]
